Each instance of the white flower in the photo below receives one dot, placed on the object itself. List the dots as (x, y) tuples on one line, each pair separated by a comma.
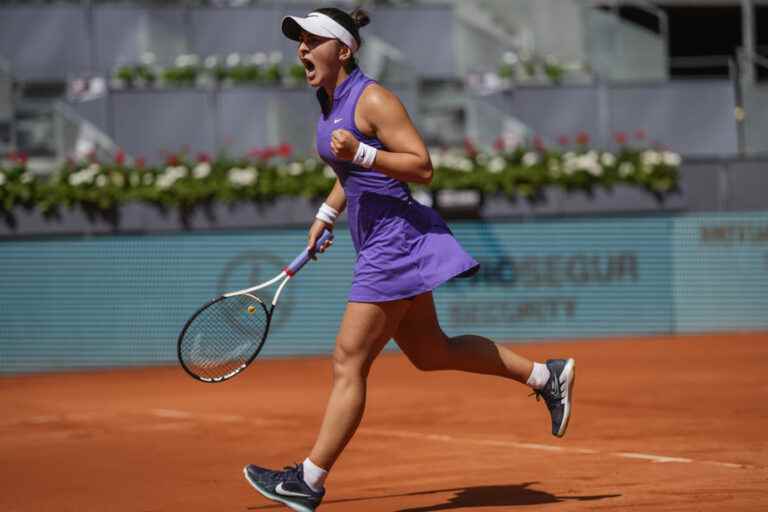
[(170, 176), (242, 177), (211, 61), (570, 163), (118, 179), (509, 58), (310, 164), (608, 160), (201, 170), (436, 157), (530, 159), (554, 168), (276, 57), (101, 181), (233, 59), (465, 165), (589, 162), (497, 165), (595, 169), (84, 176), (295, 169), (328, 172), (148, 58), (147, 179), (26, 178), (187, 60), (134, 179), (626, 168), (2, 179), (671, 159), (650, 158), (258, 59)]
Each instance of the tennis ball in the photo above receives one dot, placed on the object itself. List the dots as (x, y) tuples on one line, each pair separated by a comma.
[(251, 309)]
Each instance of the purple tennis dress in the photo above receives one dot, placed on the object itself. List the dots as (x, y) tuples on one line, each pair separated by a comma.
[(403, 247)]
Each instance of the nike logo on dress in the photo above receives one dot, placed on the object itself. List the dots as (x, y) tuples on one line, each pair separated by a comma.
[(337, 121), (280, 490)]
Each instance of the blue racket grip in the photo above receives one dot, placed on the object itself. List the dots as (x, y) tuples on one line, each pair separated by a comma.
[(303, 258)]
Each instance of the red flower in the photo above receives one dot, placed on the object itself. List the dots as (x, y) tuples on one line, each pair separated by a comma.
[(91, 156), (120, 157), (172, 160), (285, 150), (499, 145), (563, 140), (20, 158), (620, 138), (255, 153), (640, 134), (141, 162), (203, 157), (268, 153), (582, 139), (469, 147), (538, 143)]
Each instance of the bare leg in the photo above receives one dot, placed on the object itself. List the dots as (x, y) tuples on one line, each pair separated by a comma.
[(426, 345), (365, 330)]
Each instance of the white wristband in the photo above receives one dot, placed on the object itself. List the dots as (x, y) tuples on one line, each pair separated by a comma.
[(327, 214), (365, 155)]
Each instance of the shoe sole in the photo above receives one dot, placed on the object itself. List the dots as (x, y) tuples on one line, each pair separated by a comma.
[(569, 370), (274, 497)]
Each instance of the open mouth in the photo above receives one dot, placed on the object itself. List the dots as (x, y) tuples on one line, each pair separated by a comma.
[(309, 67)]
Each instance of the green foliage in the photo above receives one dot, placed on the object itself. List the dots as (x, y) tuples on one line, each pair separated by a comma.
[(271, 173)]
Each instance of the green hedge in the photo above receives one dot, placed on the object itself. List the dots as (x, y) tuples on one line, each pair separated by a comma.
[(184, 182)]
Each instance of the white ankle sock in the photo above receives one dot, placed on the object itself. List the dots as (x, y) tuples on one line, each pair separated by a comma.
[(314, 475), (539, 376)]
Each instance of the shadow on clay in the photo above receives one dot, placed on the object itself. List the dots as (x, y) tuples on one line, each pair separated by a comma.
[(479, 496)]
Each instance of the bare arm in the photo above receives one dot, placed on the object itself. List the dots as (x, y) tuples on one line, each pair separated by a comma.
[(380, 114), (337, 200)]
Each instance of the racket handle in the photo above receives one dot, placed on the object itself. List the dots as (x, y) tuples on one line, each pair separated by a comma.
[(303, 258)]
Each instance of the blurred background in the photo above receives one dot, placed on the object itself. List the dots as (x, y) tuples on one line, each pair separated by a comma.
[(606, 162)]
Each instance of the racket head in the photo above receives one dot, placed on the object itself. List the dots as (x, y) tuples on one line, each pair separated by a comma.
[(223, 337)]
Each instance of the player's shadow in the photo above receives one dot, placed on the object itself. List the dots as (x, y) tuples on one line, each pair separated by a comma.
[(500, 496), (479, 496)]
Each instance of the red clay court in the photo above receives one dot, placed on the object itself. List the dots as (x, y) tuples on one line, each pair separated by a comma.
[(659, 424)]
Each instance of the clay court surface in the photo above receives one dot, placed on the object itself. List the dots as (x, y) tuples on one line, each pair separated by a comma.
[(667, 424)]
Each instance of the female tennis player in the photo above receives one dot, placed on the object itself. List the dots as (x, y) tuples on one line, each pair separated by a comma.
[(404, 251)]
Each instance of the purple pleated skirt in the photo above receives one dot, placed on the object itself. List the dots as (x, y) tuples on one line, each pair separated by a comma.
[(403, 248)]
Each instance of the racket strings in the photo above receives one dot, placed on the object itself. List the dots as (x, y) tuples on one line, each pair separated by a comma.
[(224, 336)]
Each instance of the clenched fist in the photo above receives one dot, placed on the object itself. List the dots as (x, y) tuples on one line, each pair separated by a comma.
[(344, 144)]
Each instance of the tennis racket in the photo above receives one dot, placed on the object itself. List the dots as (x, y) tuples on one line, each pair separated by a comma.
[(225, 335)]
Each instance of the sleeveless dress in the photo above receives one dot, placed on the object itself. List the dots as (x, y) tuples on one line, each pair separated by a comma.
[(403, 247)]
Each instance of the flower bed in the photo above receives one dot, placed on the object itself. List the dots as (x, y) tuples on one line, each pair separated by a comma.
[(185, 183)]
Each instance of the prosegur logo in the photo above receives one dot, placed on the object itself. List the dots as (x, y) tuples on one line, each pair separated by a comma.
[(734, 233), (555, 271), (251, 268)]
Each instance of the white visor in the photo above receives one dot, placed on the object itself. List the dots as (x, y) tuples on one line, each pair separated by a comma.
[(320, 25)]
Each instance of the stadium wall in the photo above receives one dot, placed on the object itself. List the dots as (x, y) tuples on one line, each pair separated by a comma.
[(106, 301)]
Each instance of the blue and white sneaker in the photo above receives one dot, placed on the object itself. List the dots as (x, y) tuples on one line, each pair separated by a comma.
[(287, 486), (558, 392)]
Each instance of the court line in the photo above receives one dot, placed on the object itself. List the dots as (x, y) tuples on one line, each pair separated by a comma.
[(662, 459)]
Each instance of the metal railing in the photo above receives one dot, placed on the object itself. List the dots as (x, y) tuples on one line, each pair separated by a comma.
[(7, 121), (752, 108), (76, 137), (620, 51)]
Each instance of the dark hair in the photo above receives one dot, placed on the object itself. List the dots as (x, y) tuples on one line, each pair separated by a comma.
[(353, 21)]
